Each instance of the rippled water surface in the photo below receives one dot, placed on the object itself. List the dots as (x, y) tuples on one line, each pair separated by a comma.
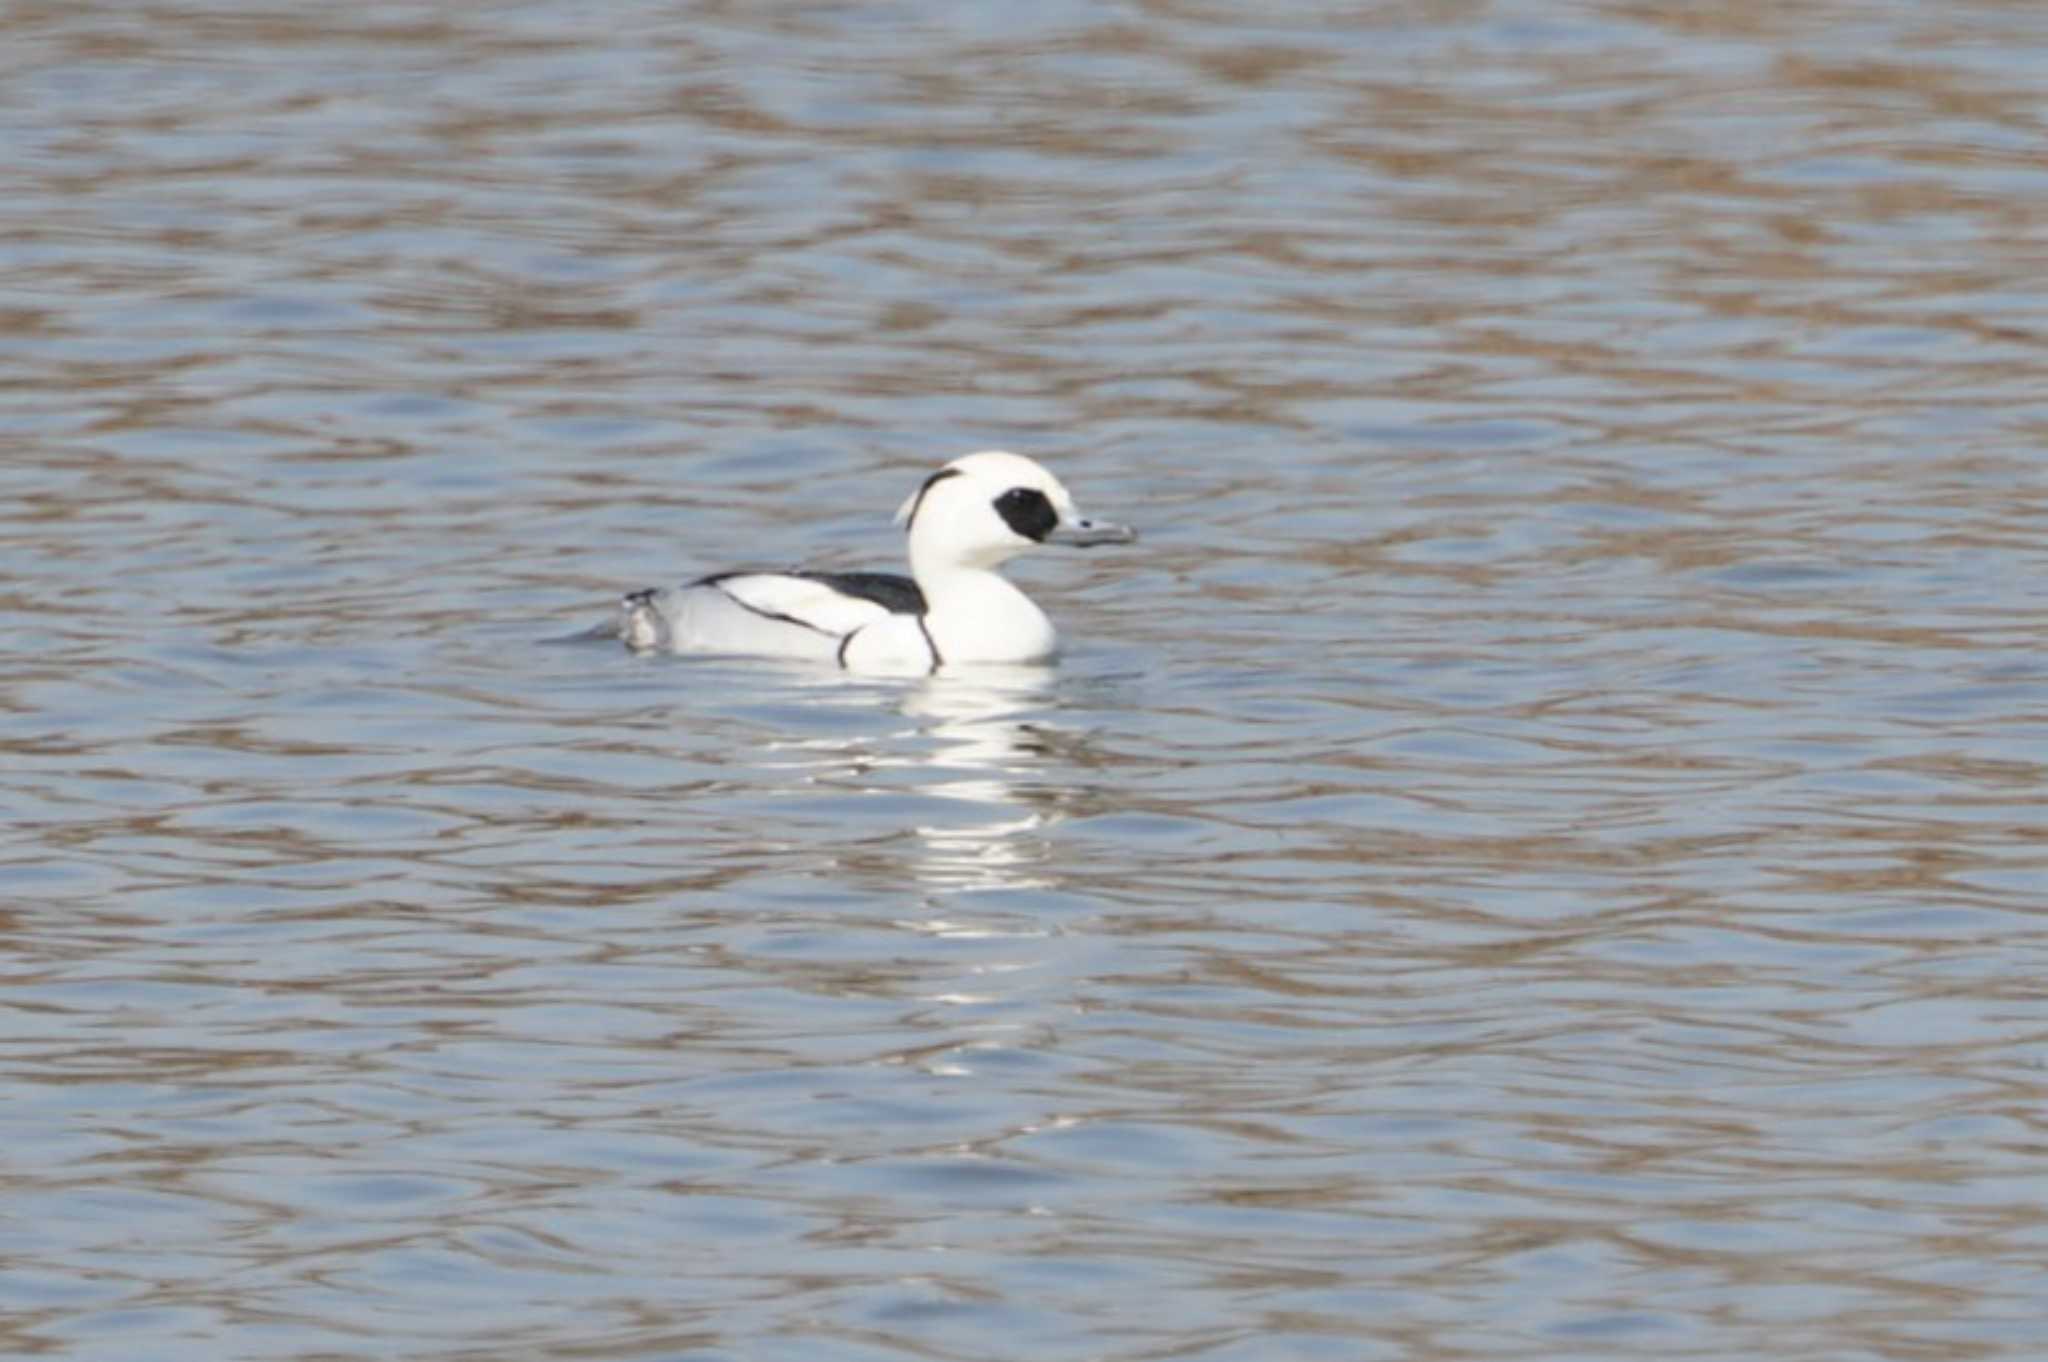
[(1538, 854)]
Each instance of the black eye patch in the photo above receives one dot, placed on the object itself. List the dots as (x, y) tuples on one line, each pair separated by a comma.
[(1027, 511)]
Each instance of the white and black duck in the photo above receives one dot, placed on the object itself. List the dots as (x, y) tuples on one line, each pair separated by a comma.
[(964, 523)]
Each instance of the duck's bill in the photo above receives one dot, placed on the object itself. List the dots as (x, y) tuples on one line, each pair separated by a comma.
[(1083, 534)]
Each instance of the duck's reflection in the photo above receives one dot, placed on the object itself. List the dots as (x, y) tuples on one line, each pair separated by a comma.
[(981, 774), (989, 747)]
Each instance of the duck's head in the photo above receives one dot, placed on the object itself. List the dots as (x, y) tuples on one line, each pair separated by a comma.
[(985, 509)]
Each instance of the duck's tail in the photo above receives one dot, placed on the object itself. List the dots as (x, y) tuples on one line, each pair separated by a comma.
[(642, 625)]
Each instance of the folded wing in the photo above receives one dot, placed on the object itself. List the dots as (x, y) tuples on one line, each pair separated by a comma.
[(815, 601)]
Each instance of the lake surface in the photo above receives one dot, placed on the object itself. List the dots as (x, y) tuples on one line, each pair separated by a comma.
[(1539, 853)]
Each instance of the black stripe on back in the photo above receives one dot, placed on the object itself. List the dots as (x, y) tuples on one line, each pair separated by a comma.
[(894, 593)]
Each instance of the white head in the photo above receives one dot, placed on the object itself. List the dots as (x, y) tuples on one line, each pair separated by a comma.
[(984, 509)]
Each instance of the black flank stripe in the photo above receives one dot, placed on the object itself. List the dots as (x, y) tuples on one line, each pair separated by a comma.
[(756, 610)]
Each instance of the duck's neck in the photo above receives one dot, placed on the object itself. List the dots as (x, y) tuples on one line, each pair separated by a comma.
[(976, 615)]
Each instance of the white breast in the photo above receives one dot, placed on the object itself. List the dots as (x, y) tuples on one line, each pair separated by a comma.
[(897, 645), (982, 617)]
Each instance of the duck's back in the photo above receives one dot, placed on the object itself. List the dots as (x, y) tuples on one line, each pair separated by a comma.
[(781, 614), (892, 591)]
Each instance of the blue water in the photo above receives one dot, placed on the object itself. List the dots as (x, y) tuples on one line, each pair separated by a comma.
[(1534, 855)]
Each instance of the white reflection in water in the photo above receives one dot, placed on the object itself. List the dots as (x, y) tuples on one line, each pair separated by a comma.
[(989, 735), (979, 742)]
